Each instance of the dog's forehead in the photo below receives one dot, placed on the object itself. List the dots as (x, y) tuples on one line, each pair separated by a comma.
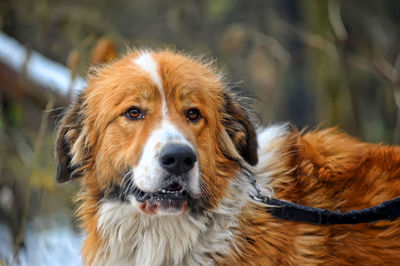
[(166, 79), (176, 74)]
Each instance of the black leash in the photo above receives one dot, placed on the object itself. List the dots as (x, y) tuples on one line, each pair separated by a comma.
[(388, 210)]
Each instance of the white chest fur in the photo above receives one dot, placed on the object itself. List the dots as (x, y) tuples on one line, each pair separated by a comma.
[(132, 238)]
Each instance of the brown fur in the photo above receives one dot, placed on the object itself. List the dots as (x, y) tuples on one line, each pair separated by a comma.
[(334, 171), (324, 169)]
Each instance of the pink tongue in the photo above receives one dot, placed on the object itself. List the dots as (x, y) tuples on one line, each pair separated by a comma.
[(147, 208), (166, 206)]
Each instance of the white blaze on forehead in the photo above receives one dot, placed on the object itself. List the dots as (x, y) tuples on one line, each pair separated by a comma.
[(148, 175), (150, 66)]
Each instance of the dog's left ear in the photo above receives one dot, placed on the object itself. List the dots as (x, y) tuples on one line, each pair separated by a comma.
[(238, 125)]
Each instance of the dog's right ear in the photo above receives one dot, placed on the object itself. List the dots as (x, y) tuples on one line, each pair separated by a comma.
[(68, 132)]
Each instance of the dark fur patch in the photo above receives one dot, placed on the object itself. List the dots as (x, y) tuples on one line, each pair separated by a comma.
[(68, 131), (239, 126)]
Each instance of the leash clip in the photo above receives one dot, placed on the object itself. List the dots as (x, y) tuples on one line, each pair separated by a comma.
[(258, 196)]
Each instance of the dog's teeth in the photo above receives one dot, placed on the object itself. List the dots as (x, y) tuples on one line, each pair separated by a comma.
[(163, 191)]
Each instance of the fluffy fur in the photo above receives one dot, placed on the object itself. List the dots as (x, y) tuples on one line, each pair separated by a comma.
[(101, 148)]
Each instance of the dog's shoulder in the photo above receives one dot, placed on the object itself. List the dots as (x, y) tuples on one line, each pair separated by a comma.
[(330, 169)]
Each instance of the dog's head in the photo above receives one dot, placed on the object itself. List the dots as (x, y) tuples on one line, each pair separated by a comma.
[(157, 129)]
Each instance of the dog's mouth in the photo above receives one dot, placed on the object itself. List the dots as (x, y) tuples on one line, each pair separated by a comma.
[(170, 199)]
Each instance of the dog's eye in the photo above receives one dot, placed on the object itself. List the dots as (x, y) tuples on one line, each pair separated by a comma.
[(134, 114), (193, 115)]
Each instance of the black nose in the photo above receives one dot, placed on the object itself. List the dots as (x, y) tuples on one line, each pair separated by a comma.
[(177, 158)]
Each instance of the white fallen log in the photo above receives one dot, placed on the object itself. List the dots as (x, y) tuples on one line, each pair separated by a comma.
[(39, 69)]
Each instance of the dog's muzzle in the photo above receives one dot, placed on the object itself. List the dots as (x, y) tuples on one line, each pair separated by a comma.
[(174, 194)]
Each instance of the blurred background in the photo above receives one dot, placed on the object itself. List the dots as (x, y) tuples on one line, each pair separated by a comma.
[(315, 63)]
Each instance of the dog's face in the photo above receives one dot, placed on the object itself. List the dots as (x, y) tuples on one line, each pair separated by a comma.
[(158, 130)]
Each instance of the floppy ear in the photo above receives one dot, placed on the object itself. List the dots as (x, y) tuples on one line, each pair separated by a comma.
[(240, 128), (68, 131)]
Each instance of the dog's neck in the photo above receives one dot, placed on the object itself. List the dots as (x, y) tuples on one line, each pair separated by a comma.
[(132, 238)]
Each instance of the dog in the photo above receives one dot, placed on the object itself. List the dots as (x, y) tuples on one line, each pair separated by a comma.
[(160, 146)]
